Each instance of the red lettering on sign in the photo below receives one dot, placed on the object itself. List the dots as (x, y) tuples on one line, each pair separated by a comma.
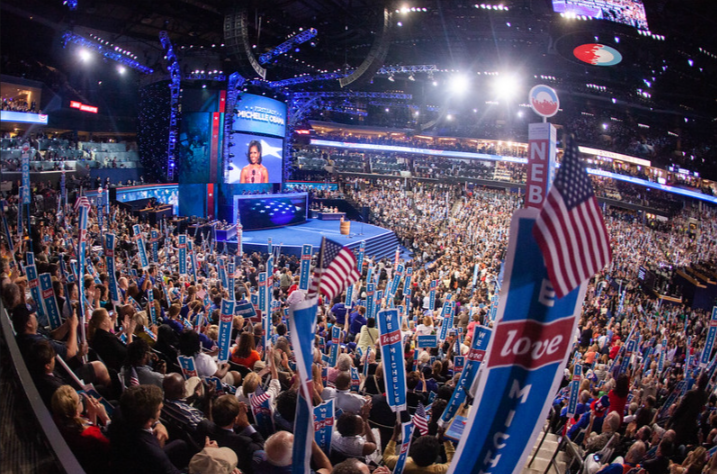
[(47, 293), (476, 355), (530, 344), (390, 338)]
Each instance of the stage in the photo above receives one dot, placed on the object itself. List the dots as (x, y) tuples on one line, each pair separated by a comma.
[(380, 242)]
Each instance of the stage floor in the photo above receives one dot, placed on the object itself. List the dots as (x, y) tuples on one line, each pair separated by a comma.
[(293, 237)]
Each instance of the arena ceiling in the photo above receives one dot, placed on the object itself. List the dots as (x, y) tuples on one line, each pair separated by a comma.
[(526, 38)]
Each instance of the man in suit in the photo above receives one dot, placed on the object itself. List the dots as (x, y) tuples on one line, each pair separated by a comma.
[(231, 429), (138, 441)]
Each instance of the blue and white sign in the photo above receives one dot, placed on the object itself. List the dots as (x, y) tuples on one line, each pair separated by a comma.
[(182, 246), (141, 249), (427, 341), (406, 436), (530, 346), (710, 341), (52, 312), (324, 425), (394, 367), (189, 367), (306, 252), (226, 318), (370, 296), (111, 269)]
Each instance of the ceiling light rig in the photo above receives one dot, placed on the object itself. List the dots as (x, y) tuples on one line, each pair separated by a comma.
[(104, 50)]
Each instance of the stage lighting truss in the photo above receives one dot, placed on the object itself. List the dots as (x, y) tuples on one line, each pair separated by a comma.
[(175, 89), (105, 51), (391, 71), (288, 45), (308, 78)]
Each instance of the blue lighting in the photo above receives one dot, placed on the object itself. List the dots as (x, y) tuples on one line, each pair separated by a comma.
[(104, 50), (71, 4), (174, 87), (286, 46)]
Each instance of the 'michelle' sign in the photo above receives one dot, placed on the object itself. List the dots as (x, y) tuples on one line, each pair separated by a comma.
[(258, 114)]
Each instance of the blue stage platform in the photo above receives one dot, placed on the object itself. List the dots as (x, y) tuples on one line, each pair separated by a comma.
[(380, 242)]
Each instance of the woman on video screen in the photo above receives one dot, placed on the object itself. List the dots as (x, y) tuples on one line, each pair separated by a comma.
[(254, 172)]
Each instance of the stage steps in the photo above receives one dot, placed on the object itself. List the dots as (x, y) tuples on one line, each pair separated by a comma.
[(381, 246)]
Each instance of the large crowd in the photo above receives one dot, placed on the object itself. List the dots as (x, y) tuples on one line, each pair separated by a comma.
[(141, 414)]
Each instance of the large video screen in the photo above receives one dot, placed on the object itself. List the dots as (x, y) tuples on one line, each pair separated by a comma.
[(258, 114), (269, 211), (627, 12), (253, 159)]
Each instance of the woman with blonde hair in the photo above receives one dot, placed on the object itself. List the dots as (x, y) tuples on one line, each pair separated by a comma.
[(82, 435)]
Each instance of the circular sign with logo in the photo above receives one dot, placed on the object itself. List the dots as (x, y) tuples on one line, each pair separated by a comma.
[(544, 101), (597, 54)]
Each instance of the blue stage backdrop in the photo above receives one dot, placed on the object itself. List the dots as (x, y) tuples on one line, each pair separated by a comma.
[(194, 148), (270, 211)]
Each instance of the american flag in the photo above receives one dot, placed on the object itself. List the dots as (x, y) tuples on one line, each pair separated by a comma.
[(570, 229), (335, 270), (258, 397), (420, 420), (133, 379), (81, 201)]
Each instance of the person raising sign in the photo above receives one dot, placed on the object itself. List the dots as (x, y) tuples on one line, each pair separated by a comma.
[(254, 172)]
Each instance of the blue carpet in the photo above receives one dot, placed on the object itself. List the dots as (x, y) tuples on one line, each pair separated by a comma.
[(379, 242)]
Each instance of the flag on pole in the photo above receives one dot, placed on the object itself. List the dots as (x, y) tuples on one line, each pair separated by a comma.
[(570, 229), (335, 270), (420, 420)]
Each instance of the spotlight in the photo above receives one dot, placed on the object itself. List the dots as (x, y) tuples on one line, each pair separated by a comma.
[(506, 86), (121, 69), (459, 84), (85, 55), (411, 78)]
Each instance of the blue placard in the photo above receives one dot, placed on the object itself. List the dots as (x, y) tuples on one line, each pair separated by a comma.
[(479, 345), (406, 436), (530, 346), (394, 368), (182, 246), (324, 425), (189, 368), (407, 283), (370, 295), (306, 252), (48, 297), (245, 309), (152, 306), (230, 278), (432, 295), (427, 341), (34, 284), (224, 341), (155, 246), (141, 249), (710, 341), (335, 345), (396, 279), (574, 390)]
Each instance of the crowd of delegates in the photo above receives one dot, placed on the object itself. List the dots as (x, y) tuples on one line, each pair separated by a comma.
[(19, 105), (140, 403)]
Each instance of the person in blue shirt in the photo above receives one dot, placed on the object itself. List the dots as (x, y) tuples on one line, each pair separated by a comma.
[(339, 311), (356, 321)]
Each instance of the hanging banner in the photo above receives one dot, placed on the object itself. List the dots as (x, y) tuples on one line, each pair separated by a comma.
[(306, 252), (406, 436), (394, 367), (224, 341), (48, 297), (111, 270), (530, 346), (182, 246), (141, 249), (155, 246), (324, 425), (469, 371), (710, 341)]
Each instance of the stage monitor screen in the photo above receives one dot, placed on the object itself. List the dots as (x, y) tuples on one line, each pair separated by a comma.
[(627, 12), (270, 211), (258, 114), (253, 159)]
